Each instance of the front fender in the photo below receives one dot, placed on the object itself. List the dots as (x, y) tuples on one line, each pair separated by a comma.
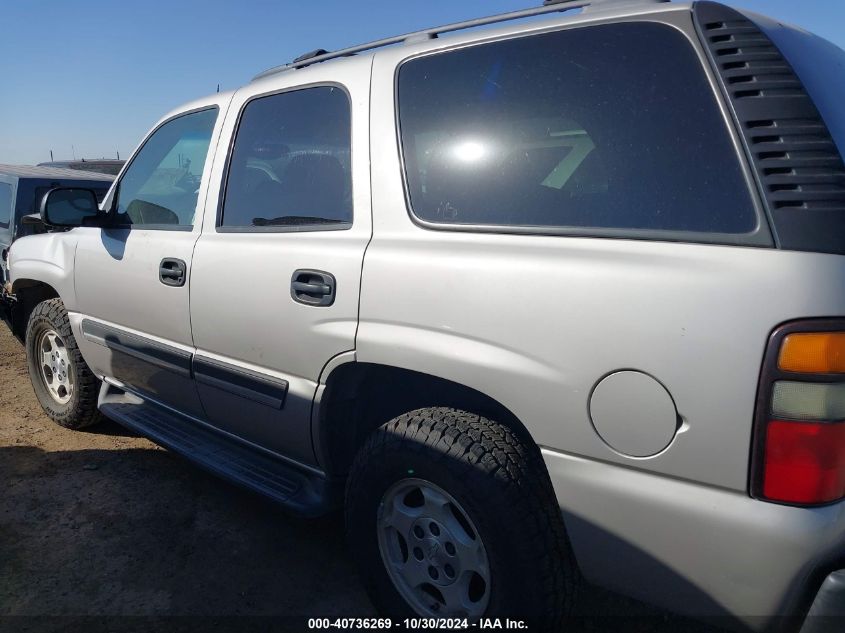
[(46, 259)]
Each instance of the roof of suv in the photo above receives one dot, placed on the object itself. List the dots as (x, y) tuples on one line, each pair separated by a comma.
[(607, 8)]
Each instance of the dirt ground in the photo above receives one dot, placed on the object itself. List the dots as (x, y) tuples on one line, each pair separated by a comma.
[(103, 530)]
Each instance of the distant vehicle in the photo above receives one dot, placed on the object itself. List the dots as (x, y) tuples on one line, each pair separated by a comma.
[(100, 165), (22, 188)]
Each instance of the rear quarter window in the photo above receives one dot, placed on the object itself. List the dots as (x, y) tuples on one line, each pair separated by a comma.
[(603, 127)]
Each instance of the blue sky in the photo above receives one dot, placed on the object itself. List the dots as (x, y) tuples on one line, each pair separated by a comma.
[(92, 76)]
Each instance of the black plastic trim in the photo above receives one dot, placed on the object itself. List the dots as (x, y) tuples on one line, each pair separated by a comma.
[(301, 489), (828, 609), (245, 383), (187, 228), (299, 228), (799, 169), (170, 358), (305, 287), (173, 272)]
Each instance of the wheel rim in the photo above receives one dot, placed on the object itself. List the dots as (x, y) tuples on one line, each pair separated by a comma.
[(432, 551), (56, 371)]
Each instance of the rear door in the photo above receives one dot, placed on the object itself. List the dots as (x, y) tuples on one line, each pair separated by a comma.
[(132, 278), (275, 282)]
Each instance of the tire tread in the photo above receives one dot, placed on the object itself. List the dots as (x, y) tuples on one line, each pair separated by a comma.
[(453, 437), (84, 413)]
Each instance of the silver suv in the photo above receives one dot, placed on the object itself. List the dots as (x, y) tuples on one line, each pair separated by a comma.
[(549, 301)]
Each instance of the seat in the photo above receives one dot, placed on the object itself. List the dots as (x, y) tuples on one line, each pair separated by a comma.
[(315, 185)]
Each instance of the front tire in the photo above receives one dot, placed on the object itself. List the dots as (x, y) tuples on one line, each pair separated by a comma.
[(451, 515), (62, 381)]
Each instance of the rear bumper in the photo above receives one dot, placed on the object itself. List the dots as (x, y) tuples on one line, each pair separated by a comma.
[(827, 614), (692, 549)]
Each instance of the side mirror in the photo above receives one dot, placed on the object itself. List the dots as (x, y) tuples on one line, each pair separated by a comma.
[(33, 219), (69, 207)]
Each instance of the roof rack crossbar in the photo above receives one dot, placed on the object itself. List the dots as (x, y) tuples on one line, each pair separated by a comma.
[(549, 6)]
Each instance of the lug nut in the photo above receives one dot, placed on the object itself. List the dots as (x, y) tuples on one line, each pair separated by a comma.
[(433, 573), (418, 531), (450, 571), (435, 530), (418, 553), (450, 549)]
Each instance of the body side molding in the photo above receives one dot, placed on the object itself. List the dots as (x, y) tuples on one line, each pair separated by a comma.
[(153, 352), (245, 383)]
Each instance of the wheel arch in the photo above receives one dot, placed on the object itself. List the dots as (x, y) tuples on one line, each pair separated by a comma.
[(359, 397), (28, 294)]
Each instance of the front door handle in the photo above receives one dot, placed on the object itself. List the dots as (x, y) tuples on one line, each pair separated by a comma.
[(172, 272), (312, 287)]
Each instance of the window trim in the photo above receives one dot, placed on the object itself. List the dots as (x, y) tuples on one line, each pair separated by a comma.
[(760, 237), (112, 211), (299, 228)]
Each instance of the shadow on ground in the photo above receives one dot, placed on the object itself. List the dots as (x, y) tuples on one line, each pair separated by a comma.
[(131, 535)]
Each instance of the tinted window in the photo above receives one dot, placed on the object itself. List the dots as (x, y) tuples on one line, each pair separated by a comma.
[(161, 185), (290, 165), (607, 127), (5, 204)]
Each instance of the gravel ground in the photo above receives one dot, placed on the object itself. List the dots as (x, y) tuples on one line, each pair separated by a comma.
[(103, 530)]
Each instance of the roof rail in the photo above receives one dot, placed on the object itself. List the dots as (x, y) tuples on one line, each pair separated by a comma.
[(549, 6)]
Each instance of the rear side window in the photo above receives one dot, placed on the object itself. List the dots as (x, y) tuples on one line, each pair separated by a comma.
[(290, 166), (5, 204), (605, 127)]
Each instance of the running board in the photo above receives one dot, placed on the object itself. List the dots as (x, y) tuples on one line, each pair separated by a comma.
[(301, 492)]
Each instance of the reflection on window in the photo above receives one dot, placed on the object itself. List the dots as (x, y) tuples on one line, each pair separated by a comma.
[(609, 126), (161, 185), (291, 161)]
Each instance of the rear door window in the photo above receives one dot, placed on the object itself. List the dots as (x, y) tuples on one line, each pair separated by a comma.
[(606, 127), (291, 163)]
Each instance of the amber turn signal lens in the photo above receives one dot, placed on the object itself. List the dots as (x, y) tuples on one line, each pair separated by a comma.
[(813, 353)]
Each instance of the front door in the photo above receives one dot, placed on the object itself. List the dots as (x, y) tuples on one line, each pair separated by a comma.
[(132, 278), (275, 284)]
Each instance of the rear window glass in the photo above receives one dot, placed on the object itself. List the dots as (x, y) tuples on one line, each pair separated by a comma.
[(610, 127)]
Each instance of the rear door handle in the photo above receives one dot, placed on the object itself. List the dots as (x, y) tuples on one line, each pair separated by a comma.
[(312, 287), (172, 272)]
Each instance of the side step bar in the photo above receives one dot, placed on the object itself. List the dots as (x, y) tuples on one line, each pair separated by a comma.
[(300, 491)]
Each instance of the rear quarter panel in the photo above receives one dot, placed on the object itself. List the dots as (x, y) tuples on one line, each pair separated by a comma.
[(536, 321)]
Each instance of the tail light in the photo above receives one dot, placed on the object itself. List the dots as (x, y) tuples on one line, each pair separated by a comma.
[(799, 432)]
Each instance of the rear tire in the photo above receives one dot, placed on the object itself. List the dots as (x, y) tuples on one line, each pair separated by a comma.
[(499, 503), (62, 381)]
